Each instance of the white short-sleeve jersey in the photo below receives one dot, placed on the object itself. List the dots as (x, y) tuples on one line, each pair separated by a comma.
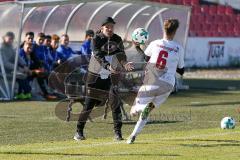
[(166, 57)]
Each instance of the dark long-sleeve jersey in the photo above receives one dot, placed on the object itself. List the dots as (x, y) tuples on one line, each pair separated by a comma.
[(106, 51)]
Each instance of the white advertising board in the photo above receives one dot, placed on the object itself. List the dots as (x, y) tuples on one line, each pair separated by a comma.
[(212, 52)]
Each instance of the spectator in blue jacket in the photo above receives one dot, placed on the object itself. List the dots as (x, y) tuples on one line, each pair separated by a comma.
[(47, 47), (36, 67), (8, 54), (47, 41), (54, 56), (85, 48), (64, 49), (40, 50), (29, 37)]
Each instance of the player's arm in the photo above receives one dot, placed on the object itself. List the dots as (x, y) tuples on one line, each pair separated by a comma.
[(180, 67)]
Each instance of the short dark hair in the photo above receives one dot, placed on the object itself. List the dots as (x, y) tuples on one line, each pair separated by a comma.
[(41, 34), (29, 33), (10, 34), (48, 37), (171, 25), (89, 32)]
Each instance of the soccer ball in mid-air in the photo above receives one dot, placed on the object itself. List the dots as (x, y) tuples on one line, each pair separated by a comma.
[(228, 123), (140, 35)]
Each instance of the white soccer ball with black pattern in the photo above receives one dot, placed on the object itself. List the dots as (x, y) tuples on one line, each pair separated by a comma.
[(140, 35), (228, 123)]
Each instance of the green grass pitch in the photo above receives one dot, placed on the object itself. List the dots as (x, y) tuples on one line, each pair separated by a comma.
[(186, 127)]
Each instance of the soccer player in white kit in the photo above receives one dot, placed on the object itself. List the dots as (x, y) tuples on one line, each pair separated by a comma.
[(166, 57)]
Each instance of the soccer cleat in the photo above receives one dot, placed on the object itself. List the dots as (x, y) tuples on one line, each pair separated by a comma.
[(79, 136), (147, 110), (19, 96), (27, 96), (118, 136), (131, 139)]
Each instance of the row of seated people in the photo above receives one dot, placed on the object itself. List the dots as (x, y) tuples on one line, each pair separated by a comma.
[(38, 58)]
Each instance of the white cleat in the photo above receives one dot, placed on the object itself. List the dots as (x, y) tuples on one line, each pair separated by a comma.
[(79, 136), (131, 139)]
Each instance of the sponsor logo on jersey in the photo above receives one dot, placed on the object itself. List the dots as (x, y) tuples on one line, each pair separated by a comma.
[(168, 48)]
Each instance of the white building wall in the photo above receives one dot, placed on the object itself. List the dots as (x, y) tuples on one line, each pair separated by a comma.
[(212, 52)]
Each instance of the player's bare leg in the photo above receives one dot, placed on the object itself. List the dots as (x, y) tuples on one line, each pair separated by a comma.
[(141, 122)]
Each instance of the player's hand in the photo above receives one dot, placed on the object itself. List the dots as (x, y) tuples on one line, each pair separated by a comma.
[(129, 66)]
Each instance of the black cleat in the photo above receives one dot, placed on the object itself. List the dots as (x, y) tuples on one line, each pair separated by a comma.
[(118, 137)]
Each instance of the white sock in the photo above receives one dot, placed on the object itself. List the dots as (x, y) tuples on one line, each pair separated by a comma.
[(139, 126)]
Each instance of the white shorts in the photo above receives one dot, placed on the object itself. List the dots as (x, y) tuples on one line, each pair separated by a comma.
[(157, 94)]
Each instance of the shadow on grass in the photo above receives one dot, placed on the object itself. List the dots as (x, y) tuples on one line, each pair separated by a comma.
[(221, 143), (207, 140), (217, 84), (216, 140), (89, 155), (211, 104), (163, 122), (212, 145), (204, 92), (151, 122)]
